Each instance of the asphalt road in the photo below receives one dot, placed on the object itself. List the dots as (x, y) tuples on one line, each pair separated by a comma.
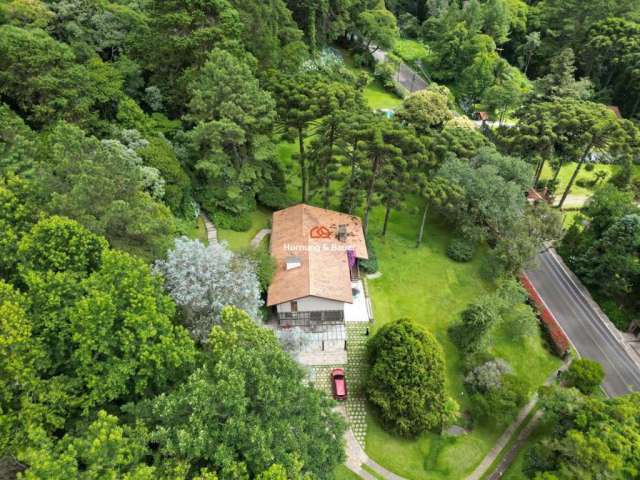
[(586, 326)]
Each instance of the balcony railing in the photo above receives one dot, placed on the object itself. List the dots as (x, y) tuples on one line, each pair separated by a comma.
[(306, 319)]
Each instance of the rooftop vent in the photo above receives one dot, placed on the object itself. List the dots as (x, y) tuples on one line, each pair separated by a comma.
[(293, 262), (342, 233)]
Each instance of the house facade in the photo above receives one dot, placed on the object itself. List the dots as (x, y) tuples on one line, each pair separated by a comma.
[(317, 251)]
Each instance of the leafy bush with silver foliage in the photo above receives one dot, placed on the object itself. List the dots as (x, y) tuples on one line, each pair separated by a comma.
[(202, 280)]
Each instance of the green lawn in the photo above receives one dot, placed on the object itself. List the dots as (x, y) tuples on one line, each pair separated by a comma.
[(567, 170), (423, 284), (343, 473), (260, 218), (375, 94)]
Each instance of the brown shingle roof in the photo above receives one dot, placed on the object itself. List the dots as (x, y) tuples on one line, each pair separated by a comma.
[(324, 270)]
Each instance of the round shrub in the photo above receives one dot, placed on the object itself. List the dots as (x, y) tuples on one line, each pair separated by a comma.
[(585, 375), (589, 167), (274, 198), (461, 250), (238, 222), (487, 377), (405, 382)]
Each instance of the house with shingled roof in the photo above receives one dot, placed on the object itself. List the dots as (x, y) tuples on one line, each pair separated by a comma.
[(316, 281)]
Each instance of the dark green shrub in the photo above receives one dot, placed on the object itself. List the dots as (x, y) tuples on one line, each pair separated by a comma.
[(273, 197), (499, 405), (585, 375), (370, 265), (461, 250), (618, 315), (589, 167), (582, 182), (238, 222), (405, 382)]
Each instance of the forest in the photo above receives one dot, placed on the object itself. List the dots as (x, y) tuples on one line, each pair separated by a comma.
[(130, 350)]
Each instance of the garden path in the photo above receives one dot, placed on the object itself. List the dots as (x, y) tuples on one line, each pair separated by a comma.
[(212, 233)]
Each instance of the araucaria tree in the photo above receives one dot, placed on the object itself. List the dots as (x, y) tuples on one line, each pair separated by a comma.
[(406, 382), (203, 280)]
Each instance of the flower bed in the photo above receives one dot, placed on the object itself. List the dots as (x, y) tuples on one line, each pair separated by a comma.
[(557, 335)]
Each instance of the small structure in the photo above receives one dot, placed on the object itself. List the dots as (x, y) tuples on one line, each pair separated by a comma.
[(482, 116), (317, 281)]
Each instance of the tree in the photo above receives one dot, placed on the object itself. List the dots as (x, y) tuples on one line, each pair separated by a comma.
[(584, 374), (237, 399), (105, 449), (203, 280), (500, 405), (101, 184), (425, 110), (230, 146), (48, 84), (405, 382), (589, 437), (327, 149), (560, 82), (178, 41), (299, 101), (58, 244), (124, 342), (436, 192), (592, 127), (378, 28)]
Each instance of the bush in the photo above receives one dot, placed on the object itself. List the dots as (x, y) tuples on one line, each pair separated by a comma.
[(461, 250), (238, 222), (498, 406), (487, 377), (618, 315), (274, 198), (405, 382), (265, 265), (589, 167), (477, 319), (585, 375), (370, 265), (582, 182)]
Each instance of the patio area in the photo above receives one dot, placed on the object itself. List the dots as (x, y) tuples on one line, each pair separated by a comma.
[(359, 310)]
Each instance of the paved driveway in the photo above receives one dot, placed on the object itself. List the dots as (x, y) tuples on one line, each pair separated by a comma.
[(587, 327)]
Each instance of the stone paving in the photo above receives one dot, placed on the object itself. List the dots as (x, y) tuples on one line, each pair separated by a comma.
[(320, 376)]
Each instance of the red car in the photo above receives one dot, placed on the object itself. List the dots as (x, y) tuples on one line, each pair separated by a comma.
[(338, 384)]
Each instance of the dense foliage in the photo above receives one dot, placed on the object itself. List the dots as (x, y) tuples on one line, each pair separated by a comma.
[(406, 378)]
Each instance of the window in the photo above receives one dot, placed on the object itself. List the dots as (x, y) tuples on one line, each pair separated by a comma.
[(294, 306)]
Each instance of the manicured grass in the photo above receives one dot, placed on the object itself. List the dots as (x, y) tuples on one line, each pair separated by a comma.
[(375, 94), (410, 50), (378, 97), (237, 241), (343, 473), (424, 285), (567, 170)]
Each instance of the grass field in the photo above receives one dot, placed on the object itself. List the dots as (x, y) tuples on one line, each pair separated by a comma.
[(424, 285), (375, 94), (343, 473), (567, 170), (237, 241)]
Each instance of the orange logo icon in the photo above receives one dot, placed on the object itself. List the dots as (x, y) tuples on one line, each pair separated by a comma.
[(320, 232)]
